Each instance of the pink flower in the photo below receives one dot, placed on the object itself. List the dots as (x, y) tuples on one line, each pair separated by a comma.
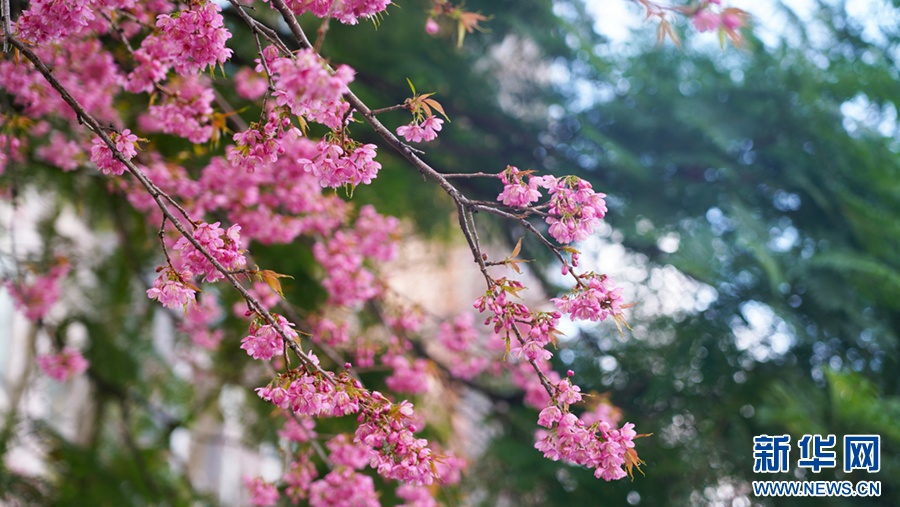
[(335, 166), (415, 496), (407, 377), (299, 478), (575, 209), (53, 19), (346, 11), (222, 245), (731, 20), (36, 296), (419, 132), (264, 342), (549, 416), (431, 26), (195, 38), (413, 133), (172, 288), (431, 126), (262, 493), (249, 84), (346, 453), (343, 487), (705, 20), (64, 365), (515, 191), (186, 112), (301, 432), (600, 300), (104, 158), (309, 89)]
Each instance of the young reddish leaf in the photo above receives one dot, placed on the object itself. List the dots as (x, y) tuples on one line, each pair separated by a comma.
[(633, 461), (271, 279), (435, 104), (517, 249)]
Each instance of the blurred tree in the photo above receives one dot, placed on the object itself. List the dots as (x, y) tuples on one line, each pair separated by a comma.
[(772, 178)]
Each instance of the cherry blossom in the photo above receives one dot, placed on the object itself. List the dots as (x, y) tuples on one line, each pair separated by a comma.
[(64, 365)]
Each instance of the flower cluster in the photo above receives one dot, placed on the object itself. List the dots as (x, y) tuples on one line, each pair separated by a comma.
[(299, 478), (310, 393), (264, 341), (705, 19), (306, 86), (35, 296), (415, 496), (597, 300), (516, 192), (345, 452), (185, 112), (64, 365), (173, 289), (223, 245), (505, 312), (347, 280), (341, 162), (104, 158), (408, 376), (276, 201), (196, 38), (59, 152), (388, 429), (260, 145), (343, 487), (460, 338), (199, 320), (345, 11), (188, 41), (575, 209), (47, 20), (598, 446), (300, 430), (541, 332), (262, 493), (418, 132), (86, 70)]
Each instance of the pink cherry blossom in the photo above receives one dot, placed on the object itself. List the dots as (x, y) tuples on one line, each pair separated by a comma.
[(343, 487), (706, 20), (63, 366), (104, 158), (264, 342), (172, 288), (575, 209), (195, 38), (300, 477), (185, 112), (515, 191), (34, 296), (599, 300), (223, 245), (262, 493)]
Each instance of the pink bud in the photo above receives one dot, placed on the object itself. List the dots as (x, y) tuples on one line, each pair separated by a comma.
[(431, 26), (732, 21)]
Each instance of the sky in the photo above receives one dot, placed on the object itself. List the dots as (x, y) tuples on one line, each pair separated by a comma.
[(616, 18)]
